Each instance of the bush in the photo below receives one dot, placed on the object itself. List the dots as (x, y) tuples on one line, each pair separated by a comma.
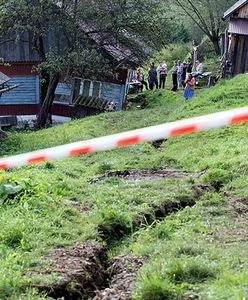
[(172, 52)]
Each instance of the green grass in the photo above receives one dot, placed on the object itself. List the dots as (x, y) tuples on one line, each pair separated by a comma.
[(193, 252)]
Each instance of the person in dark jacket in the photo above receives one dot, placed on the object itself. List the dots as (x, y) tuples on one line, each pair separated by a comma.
[(189, 68), (152, 77), (184, 74)]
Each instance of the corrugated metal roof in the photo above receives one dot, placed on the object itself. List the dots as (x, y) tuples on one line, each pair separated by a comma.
[(234, 8), (238, 26), (117, 50)]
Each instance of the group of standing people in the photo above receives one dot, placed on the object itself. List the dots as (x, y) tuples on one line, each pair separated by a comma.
[(182, 76), (153, 81)]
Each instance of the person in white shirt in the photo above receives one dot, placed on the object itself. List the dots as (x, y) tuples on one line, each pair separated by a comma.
[(198, 68), (162, 71)]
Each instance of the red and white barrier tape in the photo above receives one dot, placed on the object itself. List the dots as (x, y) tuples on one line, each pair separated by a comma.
[(148, 134)]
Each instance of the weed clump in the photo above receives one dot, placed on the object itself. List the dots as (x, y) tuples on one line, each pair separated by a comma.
[(189, 250), (190, 270), (217, 178), (13, 238), (154, 288), (114, 226)]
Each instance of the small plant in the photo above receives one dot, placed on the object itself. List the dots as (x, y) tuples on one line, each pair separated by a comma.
[(49, 165), (104, 167), (154, 287), (13, 237), (190, 270), (114, 226), (189, 250), (217, 178), (8, 191)]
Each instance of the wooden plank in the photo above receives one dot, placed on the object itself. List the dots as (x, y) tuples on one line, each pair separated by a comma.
[(62, 110), (233, 58), (240, 54), (245, 58), (26, 92), (18, 110), (11, 50), (243, 12)]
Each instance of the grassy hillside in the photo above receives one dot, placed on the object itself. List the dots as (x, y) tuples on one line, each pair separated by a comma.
[(193, 229)]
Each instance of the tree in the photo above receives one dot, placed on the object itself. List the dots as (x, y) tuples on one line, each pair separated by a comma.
[(65, 49), (206, 14)]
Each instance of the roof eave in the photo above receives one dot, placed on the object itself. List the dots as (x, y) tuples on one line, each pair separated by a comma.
[(232, 9)]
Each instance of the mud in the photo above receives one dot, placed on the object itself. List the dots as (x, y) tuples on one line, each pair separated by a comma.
[(201, 189), (81, 271), (84, 273), (238, 232), (112, 231), (238, 207), (148, 174), (123, 272)]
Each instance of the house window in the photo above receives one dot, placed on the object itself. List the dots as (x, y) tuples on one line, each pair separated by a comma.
[(90, 88)]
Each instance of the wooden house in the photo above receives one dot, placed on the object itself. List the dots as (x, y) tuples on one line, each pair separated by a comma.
[(235, 40), (20, 60)]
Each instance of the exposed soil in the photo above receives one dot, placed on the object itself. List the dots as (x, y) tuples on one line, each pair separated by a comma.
[(159, 212), (123, 271), (148, 174), (238, 209), (84, 208), (200, 188), (114, 230), (81, 271)]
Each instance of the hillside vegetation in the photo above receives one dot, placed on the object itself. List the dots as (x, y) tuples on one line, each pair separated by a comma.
[(192, 229)]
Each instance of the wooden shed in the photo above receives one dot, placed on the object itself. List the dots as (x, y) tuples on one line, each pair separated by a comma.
[(20, 60), (235, 40)]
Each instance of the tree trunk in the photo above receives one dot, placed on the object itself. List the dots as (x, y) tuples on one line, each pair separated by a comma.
[(3, 135), (216, 43), (46, 106), (45, 80)]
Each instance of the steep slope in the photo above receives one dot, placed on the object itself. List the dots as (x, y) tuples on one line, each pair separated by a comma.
[(190, 221)]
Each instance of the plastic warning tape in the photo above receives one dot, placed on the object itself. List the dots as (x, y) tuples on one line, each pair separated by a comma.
[(148, 134)]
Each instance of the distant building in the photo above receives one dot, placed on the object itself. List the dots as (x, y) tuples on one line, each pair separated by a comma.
[(235, 40)]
